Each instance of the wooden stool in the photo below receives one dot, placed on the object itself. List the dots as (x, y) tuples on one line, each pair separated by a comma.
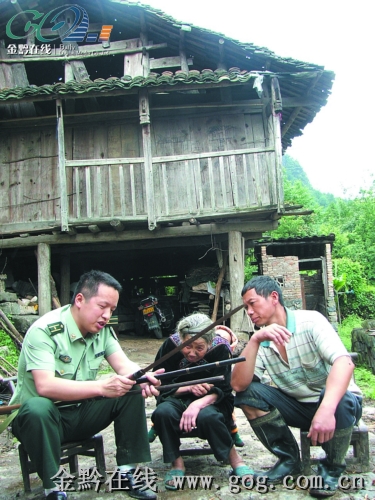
[(190, 452), (359, 442), (92, 447)]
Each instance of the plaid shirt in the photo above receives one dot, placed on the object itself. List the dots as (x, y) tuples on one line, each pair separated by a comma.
[(312, 349)]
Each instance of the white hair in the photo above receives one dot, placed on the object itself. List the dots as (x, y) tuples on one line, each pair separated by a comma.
[(193, 324)]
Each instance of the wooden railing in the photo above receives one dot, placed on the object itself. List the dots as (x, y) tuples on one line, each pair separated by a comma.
[(204, 184)]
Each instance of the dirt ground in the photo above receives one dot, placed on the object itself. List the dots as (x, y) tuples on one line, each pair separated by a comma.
[(255, 455)]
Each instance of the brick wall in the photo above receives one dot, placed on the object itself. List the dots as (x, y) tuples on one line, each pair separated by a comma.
[(286, 271), (314, 292)]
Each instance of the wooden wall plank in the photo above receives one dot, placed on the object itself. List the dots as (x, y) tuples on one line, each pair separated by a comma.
[(98, 195), (246, 180), (69, 171), (234, 182), (198, 185), (100, 150), (222, 181), (77, 189), (189, 184), (212, 188), (165, 187), (133, 194), (122, 190), (111, 189), (88, 191)]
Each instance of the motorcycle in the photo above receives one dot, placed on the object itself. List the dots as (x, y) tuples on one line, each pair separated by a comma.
[(156, 316)]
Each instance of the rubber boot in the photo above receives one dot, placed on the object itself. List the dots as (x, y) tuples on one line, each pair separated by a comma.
[(275, 435), (331, 468)]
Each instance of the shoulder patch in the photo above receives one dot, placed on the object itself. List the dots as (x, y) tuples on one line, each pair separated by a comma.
[(55, 328)]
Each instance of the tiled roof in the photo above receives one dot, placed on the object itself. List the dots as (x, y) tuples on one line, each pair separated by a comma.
[(310, 83), (234, 75)]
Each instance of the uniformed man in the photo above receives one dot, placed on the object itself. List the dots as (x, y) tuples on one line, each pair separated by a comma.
[(59, 361)]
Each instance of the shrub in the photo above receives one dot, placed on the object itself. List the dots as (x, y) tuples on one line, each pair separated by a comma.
[(14, 354)]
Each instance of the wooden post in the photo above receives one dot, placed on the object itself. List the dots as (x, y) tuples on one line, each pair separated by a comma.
[(65, 279), (144, 114), (276, 118), (218, 287), (62, 173), (44, 283), (144, 40), (237, 276), (184, 62)]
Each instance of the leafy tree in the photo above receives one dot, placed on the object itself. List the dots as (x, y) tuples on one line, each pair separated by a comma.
[(352, 221), (295, 194)]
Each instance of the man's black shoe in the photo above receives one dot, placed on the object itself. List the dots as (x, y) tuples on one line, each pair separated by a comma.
[(57, 495), (136, 488)]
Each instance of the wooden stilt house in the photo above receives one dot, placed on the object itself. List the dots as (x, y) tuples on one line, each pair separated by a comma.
[(137, 144)]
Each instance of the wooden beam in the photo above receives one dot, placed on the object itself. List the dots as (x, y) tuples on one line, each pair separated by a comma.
[(169, 62), (44, 282), (144, 115), (81, 54), (117, 225), (166, 159), (62, 172), (144, 40), (277, 104), (141, 234), (237, 275), (250, 106), (296, 111), (184, 61)]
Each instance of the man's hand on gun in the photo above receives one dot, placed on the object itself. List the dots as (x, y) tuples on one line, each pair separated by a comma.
[(119, 385), (150, 388)]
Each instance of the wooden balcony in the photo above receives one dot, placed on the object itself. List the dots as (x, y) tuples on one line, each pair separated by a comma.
[(204, 185)]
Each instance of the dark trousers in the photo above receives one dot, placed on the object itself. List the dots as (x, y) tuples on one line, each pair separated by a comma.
[(42, 427), (296, 414), (211, 425)]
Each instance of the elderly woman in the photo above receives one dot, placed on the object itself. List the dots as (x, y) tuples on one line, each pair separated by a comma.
[(206, 408)]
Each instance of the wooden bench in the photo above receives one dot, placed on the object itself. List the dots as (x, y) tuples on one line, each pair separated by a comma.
[(360, 445)]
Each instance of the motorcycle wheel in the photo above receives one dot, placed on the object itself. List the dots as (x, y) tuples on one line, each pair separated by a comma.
[(158, 333), (139, 330)]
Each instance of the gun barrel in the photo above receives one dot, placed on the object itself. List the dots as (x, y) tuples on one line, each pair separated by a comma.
[(193, 369)]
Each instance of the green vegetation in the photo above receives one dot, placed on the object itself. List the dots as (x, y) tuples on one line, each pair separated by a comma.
[(13, 353), (352, 222), (365, 380), (345, 330)]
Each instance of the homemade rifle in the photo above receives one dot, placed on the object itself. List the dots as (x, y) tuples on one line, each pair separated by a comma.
[(187, 342), (193, 369), (4, 410)]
